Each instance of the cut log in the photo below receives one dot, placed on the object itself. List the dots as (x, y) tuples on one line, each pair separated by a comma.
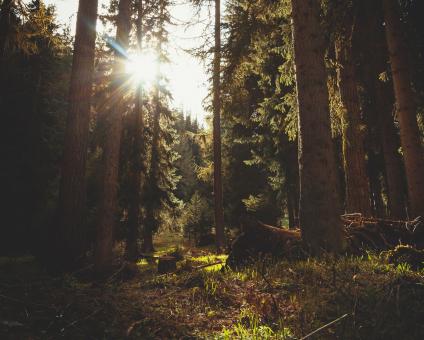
[(167, 264)]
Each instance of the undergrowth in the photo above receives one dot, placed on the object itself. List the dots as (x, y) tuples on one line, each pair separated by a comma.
[(284, 300)]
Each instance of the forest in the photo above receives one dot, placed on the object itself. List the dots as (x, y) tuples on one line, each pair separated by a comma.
[(292, 209)]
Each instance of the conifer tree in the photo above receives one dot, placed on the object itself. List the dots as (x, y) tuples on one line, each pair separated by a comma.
[(412, 149), (118, 92), (70, 234), (319, 214)]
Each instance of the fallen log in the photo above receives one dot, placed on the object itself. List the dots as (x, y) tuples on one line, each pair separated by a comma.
[(258, 239), (362, 233)]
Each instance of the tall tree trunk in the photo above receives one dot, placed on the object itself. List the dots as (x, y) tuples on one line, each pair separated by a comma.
[(356, 179), (70, 237), (392, 159), (217, 161), (108, 200), (136, 131), (152, 184), (320, 210), (406, 108), (5, 13)]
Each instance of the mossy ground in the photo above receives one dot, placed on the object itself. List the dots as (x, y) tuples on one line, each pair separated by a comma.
[(284, 300)]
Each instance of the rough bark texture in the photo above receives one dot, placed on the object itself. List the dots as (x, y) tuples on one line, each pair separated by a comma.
[(217, 162), (356, 179), (70, 235), (406, 108), (319, 213), (108, 200), (136, 131), (396, 189)]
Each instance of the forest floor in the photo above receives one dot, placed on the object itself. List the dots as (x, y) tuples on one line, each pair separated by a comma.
[(366, 297)]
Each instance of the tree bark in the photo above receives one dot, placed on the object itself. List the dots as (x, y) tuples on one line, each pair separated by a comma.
[(396, 189), (70, 236), (356, 179), (5, 12), (320, 210), (136, 131), (217, 161), (375, 184), (406, 108), (108, 201)]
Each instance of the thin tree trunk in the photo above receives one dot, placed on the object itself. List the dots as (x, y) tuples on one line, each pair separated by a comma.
[(136, 164), (392, 159), (108, 200), (153, 177), (319, 196), (357, 184), (406, 108), (70, 237), (217, 161)]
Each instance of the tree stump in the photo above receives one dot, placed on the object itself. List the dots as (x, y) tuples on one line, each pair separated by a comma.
[(167, 264)]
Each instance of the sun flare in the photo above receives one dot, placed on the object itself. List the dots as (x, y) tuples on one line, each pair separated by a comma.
[(143, 68)]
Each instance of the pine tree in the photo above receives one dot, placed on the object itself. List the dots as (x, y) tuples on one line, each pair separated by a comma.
[(70, 233), (136, 166), (356, 178), (319, 214), (217, 161), (118, 91), (406, 108)]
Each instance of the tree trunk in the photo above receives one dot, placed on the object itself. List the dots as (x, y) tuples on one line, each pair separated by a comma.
[(392, 159), (292, 183), (136, 131), (375, 185), (5, 12), (357, 185), (108, 201), (70, 237), (406, 108), (217, 161), (320, 210)]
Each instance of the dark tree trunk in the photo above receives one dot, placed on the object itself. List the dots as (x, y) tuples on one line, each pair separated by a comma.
[(5, 16), (136, 131), (396, 189), (217, 161), (356, 179), (406, 108), (320, 209), (375, 184), (108, 200), (292, 184), (70, 235)]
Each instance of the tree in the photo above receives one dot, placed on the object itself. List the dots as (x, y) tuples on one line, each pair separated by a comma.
[(356, 178), (108, 199), (319, 213), (136, 166), (217, 161), (5, 16), (406, 108), (70, 235), (161, 179)]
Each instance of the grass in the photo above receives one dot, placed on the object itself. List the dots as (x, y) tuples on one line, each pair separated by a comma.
[(284, 300)]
